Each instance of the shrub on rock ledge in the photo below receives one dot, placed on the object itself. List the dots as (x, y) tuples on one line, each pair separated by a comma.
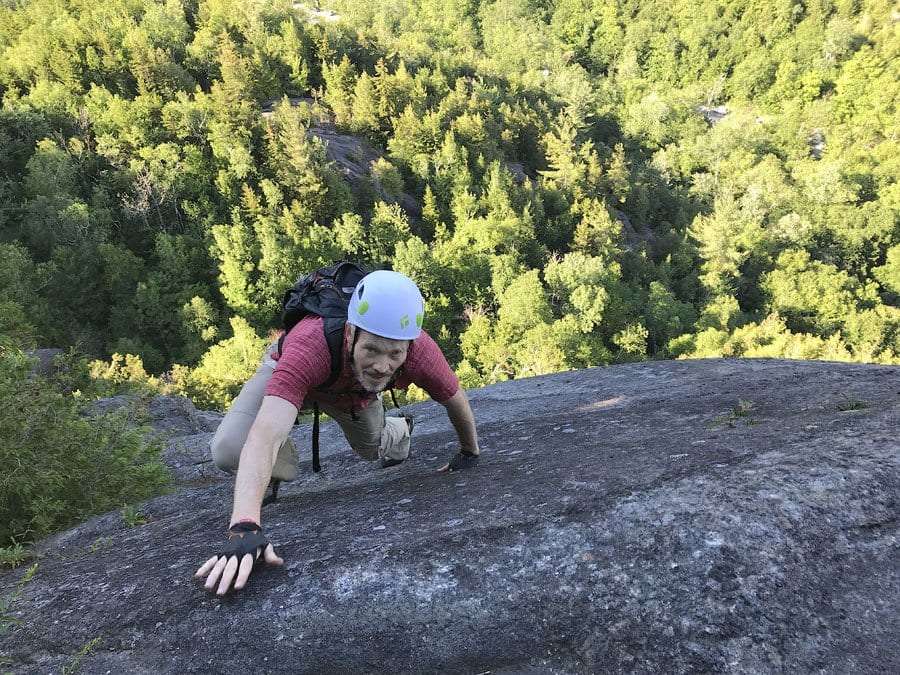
[(60, 466)]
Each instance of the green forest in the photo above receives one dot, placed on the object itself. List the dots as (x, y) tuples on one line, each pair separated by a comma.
[(572, 183)]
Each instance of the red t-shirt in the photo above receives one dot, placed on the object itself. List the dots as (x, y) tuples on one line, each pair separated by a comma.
[(305, 363)]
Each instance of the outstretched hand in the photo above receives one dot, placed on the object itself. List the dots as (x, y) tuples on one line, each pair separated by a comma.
[(460, 461), (246, 544)]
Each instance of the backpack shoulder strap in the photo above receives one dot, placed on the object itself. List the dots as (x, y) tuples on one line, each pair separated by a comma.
[(334, 336), (317, 466)]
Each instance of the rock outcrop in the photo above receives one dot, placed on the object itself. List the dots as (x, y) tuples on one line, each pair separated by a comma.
[(185, 431), (685, 516), (816, 142), (351, 156), (713, 114), (44, 360)]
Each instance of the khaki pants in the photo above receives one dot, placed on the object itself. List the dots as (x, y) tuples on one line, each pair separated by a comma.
[(371, 434)]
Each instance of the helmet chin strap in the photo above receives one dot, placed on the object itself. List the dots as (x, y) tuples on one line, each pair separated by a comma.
[(354, 330)]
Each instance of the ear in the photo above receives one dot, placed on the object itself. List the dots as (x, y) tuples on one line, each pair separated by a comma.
[(351, 334)]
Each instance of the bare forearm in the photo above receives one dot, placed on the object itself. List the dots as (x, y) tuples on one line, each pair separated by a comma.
[(269, 431), (253, 476), (460, 414)]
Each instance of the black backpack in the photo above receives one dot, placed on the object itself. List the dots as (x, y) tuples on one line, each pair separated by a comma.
[(326, 293)]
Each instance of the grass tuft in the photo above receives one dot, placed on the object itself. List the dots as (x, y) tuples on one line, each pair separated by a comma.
[(15, 555), (851, 403), (739, 413), (7, 620), (75, 665), (132, 516)]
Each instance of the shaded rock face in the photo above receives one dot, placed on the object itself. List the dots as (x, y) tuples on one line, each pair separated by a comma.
[(634, 237), (185, 431), (713, 115), (353, 158), (43, 364), (816, 142), (684, 516)]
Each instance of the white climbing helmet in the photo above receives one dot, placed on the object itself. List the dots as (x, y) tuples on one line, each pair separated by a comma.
[(388, 304)]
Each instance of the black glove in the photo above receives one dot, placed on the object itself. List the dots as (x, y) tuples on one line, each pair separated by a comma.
[(463, 460), (244, 538)]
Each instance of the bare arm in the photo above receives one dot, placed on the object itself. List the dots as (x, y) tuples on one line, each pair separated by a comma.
[(235, 563), (270, 429), (460, 414)]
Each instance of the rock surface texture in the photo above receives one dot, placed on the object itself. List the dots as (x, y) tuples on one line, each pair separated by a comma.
[(687, 516)]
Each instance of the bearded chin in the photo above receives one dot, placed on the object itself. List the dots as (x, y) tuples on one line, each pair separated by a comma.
[(373, 390), (361, 380)]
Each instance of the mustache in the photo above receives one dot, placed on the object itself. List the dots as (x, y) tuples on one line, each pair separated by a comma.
[(360, 374)]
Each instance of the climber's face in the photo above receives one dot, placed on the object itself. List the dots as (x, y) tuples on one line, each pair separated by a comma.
[(376, 359)]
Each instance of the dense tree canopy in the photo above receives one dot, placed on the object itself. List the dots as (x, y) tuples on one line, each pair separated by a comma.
[(571, 182)]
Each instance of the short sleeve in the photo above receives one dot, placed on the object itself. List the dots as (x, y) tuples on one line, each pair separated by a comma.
[(304, 362), (427, 367)]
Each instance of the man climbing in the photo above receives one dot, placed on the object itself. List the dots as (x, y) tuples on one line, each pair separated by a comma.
[(382, 346)]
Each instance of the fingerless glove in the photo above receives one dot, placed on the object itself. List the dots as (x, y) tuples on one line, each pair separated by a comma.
[(244, 538)]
